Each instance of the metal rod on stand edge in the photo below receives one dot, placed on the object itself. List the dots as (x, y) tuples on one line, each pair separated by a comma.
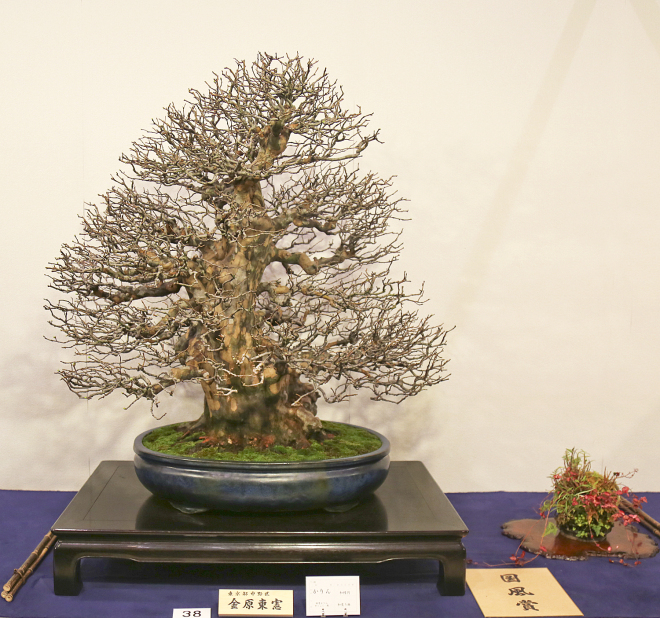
[(27, 568)]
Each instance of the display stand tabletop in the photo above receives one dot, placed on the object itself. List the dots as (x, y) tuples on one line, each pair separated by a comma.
[(114, 516)]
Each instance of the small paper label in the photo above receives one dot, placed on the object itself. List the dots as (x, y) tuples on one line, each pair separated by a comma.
[(198, 612), (333, 596), (241, 602), (506, 593)]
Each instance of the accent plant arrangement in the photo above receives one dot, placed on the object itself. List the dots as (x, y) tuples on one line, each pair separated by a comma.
[(585, 503), (238, 251)]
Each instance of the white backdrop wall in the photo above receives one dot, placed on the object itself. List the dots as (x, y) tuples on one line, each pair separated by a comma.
[(525, 134)]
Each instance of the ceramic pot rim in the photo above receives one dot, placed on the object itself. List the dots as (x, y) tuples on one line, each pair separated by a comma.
[(262, 466)]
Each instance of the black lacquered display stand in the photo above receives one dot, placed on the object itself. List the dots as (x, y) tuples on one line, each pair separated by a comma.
[(114, 516)]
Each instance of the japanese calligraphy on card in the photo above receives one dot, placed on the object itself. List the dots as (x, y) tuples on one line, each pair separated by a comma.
[(247, 602), (507, 593)]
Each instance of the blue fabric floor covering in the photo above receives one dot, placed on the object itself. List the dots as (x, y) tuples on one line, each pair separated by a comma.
[(122, 589)]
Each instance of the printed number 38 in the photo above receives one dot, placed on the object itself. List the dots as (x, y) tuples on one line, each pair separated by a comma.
[(192, 613)]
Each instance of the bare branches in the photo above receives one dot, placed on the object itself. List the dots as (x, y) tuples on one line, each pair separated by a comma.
[(360, 333), (238, 252), (277, 115)]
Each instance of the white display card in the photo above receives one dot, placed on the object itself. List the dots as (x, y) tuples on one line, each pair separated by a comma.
[(249, 602), (333, 596), (197, 612)]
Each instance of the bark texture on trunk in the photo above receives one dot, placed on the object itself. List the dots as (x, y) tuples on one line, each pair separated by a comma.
[(246, 402)]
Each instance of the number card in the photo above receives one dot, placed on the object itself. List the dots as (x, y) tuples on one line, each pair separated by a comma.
[(333, 596), (506, 593), (199, 612), (235, 602)]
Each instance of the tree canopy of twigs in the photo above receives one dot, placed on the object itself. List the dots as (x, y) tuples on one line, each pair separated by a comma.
[(238, 250)]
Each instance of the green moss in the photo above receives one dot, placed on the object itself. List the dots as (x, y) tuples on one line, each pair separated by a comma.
[(347, 442)]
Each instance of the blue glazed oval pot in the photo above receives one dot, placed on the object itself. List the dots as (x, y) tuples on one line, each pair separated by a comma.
[(195, 485)]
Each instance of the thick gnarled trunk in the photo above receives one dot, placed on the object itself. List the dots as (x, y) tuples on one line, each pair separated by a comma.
[(279, 411), (245, 403)]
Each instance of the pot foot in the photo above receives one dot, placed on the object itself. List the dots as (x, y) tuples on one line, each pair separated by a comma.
[(189, 510), (340, 508)]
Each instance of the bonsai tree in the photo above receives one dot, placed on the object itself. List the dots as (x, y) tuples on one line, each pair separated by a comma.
[(236, 250)]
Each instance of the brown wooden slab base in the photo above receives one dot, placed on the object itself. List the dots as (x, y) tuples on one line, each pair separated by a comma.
[(621, 542), (114, 516)]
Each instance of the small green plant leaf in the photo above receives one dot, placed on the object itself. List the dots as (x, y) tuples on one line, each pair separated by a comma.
[(550, 529)]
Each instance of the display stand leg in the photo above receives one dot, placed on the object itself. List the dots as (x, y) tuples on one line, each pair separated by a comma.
[(451, 579), (66, 571)]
